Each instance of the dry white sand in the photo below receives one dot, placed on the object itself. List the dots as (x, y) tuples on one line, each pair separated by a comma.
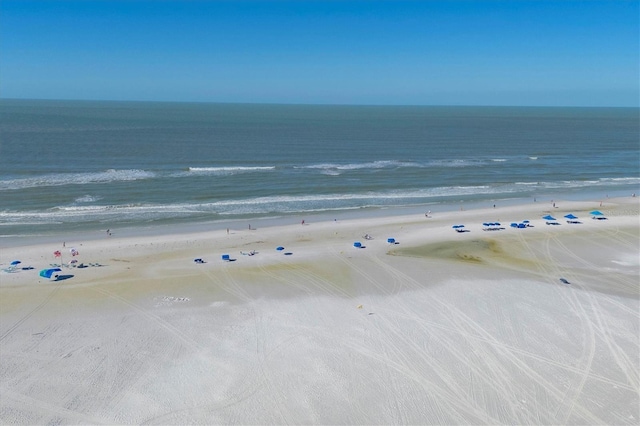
[(442, 328)]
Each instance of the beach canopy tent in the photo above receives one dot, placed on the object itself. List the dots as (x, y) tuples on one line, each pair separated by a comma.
[(570, 216), (357, 244), (225, 257), (548, 217), (391, 240), (597, 213), (47, 273)]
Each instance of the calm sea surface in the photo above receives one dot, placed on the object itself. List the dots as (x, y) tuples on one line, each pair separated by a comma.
[(74, 166)]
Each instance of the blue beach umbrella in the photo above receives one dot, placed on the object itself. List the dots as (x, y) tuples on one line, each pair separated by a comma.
[(570, 216), (15, 262), (597, 213), (280, 248), (47, 273), (548, 217)]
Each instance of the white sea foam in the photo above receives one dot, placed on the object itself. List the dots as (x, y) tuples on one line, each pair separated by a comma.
[(629, 180), (357, 166), (456, 162), (87, 199), (229, 169), (313, 202), (60, 179), (568, 184), (330, 172)]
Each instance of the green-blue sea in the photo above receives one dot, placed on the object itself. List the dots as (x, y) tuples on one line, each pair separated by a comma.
[(84, 165)]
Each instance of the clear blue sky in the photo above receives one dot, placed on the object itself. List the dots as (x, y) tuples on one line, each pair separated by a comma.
[(582, 53)]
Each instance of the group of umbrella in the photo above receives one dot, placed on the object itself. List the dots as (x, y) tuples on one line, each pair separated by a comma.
[(550, 220), (48, 273), (53, 273)]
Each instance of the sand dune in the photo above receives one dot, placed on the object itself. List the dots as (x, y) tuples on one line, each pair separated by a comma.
[(443, 327)]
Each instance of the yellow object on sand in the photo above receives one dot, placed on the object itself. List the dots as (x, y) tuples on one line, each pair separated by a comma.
[(359, 306)]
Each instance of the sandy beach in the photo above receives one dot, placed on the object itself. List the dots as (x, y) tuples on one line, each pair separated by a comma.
[(442, 327)]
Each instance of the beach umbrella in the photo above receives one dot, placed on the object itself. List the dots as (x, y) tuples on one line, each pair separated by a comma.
[(597, 213), (15, 262), (525, 221), (74, 252), (57, 253), (47, 273), (548, 217), (570, 216), (457, 226), (280, 248)]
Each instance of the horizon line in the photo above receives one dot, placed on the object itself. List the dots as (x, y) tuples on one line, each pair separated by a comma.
[(314, 104)]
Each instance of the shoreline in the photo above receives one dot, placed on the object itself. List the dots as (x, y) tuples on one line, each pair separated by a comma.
[(470, 327), (135, 237), (283, 220)]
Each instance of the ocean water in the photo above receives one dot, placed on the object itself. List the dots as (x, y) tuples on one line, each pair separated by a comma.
[(68, 166)]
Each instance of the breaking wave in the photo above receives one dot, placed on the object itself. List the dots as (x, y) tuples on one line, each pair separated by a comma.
[(60, 179)]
